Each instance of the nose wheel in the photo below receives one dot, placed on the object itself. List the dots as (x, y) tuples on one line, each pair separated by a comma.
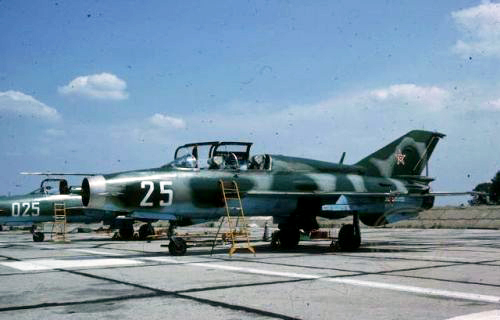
[(177, 246), (145, 231), (38, 236)]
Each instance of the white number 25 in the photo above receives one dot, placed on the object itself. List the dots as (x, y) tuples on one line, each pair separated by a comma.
[(163, 190)]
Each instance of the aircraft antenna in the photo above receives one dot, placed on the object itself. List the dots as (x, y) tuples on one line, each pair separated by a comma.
[(342, 158)]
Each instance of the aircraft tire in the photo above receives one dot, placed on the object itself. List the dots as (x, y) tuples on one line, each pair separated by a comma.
[(177, 247), (347, 239), (275, 240), (38, 236), (289, 238), (146, 230)]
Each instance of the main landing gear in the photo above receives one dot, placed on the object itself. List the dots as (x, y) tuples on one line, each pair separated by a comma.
[(126, 231), (287, 237), (349, 238)]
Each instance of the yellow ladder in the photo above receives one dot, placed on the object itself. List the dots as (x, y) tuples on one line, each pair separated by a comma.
[(231, 193), (59, 226)]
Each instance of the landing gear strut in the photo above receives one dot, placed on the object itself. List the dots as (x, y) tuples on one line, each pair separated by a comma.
[(349, 238), (287, 237)]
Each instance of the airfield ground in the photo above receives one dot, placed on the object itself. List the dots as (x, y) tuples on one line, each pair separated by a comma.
[(397, 274)]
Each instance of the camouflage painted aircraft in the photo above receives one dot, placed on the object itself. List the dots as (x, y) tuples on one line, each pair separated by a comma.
[(384, 187), (38, 206)]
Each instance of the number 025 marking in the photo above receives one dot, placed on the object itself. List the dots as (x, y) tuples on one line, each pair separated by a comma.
[(25, 209), (166, 201)]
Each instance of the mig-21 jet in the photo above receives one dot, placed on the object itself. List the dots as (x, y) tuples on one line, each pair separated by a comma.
[(38, 207), (382, 188)]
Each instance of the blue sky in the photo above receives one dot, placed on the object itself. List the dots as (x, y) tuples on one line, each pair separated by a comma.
[(102, 86)]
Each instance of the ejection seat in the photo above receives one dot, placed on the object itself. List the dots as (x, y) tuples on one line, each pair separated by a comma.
[(216, 162)]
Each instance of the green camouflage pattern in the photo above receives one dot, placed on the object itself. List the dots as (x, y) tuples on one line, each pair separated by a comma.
[(383, 187)]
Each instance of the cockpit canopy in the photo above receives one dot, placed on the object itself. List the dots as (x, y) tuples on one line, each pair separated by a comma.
[(218, 155), (53, 186)]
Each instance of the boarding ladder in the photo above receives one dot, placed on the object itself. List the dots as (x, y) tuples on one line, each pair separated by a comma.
[(231, 197), (59, 226)]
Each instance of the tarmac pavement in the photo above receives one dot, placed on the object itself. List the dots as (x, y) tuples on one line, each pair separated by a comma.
[(396, 274)]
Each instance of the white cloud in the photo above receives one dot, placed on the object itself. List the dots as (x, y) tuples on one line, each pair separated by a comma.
[(431, 98), (481, 30), (159, 129), (311, 130), (493, 105), (164, 121), (55, 133), (15, 102), (104, 86)]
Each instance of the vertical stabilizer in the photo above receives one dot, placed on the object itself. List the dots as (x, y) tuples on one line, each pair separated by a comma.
[(407, 155)]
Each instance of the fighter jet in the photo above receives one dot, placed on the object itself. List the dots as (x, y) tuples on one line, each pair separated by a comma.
[(38, 206), (384, 187)]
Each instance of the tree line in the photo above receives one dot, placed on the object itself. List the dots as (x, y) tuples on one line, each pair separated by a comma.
[(489, 192)]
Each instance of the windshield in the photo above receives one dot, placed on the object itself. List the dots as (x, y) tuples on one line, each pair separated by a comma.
[(44, 190), (186, 161)]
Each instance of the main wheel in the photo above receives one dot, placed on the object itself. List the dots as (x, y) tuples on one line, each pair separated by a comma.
[(289, 237), (146, 230), (177, 246), (38, 236), (275, 239), (347, 239)]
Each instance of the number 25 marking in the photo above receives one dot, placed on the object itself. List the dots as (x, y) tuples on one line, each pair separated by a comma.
[(163, 190)]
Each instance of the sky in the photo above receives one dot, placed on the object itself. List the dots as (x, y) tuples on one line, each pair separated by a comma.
[(106, 86)]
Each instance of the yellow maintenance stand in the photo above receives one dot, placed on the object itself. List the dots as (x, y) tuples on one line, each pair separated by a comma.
[(234, 207)]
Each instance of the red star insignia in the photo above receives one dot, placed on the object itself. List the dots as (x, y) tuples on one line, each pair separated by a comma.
[(390, 199), (400, 158)]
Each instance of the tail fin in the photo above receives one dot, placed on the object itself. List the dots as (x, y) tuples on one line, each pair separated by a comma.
[(407, 155)]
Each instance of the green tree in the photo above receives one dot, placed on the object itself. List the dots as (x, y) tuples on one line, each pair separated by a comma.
[(478, 199), (495, 189)]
